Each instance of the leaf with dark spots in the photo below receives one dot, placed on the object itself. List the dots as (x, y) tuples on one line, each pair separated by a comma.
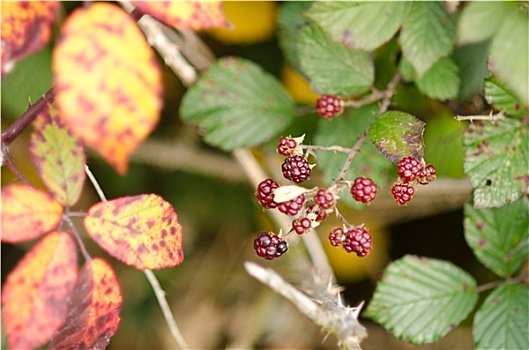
[(93, 310), (397, 134), (127, 228), (35, 294)]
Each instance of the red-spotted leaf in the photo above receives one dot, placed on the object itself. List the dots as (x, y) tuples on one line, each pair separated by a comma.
[(195, 15), (397, 134), (59, 157), (28, 213), (93, 310), (26, 28), (108, 81), (141, 231), (34, 297)]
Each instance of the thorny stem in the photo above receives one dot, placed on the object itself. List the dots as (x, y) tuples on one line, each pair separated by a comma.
[(492, 285), (491, 117), (95, 183)]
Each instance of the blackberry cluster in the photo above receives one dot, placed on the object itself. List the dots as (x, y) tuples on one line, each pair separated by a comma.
[(296, 169), (409, 169), (265, 193), (356, 240), (364, 189), (268, 245), (329, 106), (286, 146)]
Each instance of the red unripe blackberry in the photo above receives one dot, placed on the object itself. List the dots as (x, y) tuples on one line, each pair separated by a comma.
[(302, 225), (286, 146), (427, 175), (268, 245), (325, 199), (293, 206), (364, 189), (357, 240), (409, 168), (329, 106), (402, 192), (265, 193), (335, 236), (319, 213), (296, 168)]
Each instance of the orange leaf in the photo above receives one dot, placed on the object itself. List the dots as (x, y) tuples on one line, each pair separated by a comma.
[(59, 157), (26, 28), (34, 297), (185, 14), (142, 231), (93, 310), (108, 81), (28, 213)]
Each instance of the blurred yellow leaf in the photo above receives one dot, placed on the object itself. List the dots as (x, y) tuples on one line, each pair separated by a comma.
[(108, 81), (297, 86)]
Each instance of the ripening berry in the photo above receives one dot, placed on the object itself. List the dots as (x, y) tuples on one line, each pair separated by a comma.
[(293, 206), (268, 245), (325, 199), (427, 175), (409, 168), (357, 240), (296, 168), (329, 106), (301, 225), (265, 193), (402, 192), (286, 146), (336, 236), (364, 189)]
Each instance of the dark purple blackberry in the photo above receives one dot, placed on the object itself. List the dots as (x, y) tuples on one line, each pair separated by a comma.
[(268, 245), (325, 199), (409, 168), (302, 225), (265, 193), (357, 240), (293, 206), (427, 175), (286, 146), (329, 106), (335, 236), (363, 189), (402, 192), (296, 168)]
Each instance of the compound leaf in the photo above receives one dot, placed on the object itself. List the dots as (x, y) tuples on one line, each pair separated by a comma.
[(141, 231), (331, 67), (28, 213), (108, 82), (499, 96), (501, 322), (360, 25), (420, 299), (237, 104), (35, 294), (397, 134), (58, 156), (428, 33), (194, 15), (499, 237), (93, 309), (26, 28), (497, 161)]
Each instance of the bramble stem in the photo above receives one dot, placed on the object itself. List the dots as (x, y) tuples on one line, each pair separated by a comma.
[(166, 310), (492, 285), (491, 117), (95, 183), (69, 222)]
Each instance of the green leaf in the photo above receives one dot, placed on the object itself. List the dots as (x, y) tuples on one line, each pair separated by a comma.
[(441, 81), (397, 134), (331, 67), (290, 19), (499, 237), (497, 161), (420, 300), (501, 322), (499, 96), (428, 33), (407, 72), (345, 131), (237, 104), (472, 62), (58, 156), (360, 25), (508, 54), (480, 20)]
